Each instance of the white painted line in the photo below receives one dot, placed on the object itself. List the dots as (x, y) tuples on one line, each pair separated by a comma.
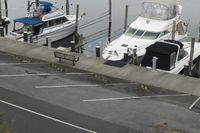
[(194, 103), (134, 97), (47, 117), (41, 74), (83, 85), (4, 64), (25, 75)]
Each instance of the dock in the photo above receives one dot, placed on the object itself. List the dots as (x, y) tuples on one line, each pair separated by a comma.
[(143, 76)]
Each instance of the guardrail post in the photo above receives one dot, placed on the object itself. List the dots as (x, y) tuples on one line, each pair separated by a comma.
[(154, 67), (98, 51)]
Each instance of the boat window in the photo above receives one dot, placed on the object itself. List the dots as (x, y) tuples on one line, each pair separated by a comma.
[(130, 32), (172, 60), (164, 33), (51, 23), (64, 19), (138, 34), (150, 35), (58, 21)]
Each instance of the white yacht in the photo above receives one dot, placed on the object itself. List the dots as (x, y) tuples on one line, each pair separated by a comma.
[(44, 20), (154, 24), (172, 56)]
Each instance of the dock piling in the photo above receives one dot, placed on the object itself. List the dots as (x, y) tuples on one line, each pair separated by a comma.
[(173, 30), (191, 56), (126, 18), (67, 7), (110, 21)]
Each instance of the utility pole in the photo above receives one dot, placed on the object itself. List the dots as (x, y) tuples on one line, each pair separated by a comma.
[(110, 21), (67, 7), (126, 18)]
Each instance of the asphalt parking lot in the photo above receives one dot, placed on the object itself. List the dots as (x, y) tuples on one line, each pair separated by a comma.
[(127, 105)]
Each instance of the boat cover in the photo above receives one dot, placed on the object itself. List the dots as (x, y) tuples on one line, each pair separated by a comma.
[(161, 50), (27, 20)]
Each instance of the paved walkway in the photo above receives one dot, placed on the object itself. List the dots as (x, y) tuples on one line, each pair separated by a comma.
[(92, 64)]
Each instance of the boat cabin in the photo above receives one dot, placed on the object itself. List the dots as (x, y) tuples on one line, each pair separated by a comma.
[(160, 9), (168, 53), (43, 15)]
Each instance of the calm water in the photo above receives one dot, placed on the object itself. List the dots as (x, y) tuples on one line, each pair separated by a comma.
[(97, 8)]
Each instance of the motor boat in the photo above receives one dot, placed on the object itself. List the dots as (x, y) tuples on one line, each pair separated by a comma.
[(44, 20), (154, 24), (172, 56)]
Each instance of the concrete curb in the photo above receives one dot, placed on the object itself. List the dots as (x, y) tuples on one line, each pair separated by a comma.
[(132, 73)]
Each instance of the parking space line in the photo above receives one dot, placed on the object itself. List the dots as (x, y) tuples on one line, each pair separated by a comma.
[(134, 97), (47, 117), (42, 74), (194, 103), (83, 85), (4, 64)]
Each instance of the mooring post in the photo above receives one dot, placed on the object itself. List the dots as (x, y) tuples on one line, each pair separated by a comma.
[(126, 18), (2, 31), (67, 7), (191, 56), (48, 41), (98, 51), (173, 30), (110, 21), (81, 43), (73, 44), (31, 38), (25, 36), (154, 64)]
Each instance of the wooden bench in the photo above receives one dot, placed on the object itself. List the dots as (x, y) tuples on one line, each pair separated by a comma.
[(65, 56)]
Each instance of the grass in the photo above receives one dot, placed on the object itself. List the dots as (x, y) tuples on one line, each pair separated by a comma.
[(3, 127)]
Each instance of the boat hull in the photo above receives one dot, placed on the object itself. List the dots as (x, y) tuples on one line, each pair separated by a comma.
[(54, 34)]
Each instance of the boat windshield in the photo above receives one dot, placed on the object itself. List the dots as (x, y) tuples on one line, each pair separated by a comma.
[(142, 34), (20, 28), (158, 11), (150, 35)]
